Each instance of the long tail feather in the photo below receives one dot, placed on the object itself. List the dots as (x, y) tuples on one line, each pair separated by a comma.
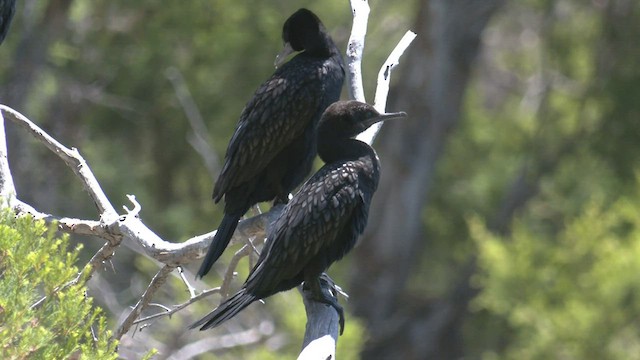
[(225, 311), (219, 243)]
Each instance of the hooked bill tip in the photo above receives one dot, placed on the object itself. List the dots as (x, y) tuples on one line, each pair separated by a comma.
[(394, 115), (385, 117)]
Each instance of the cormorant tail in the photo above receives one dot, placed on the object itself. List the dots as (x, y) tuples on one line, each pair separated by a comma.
[(219, 242), (226, 310)]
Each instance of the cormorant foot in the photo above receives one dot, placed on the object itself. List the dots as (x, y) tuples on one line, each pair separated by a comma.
[(324, 295)]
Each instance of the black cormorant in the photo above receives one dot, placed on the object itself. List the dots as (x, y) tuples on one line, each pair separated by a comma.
[(323, 220), (274, 144), (7, 10)]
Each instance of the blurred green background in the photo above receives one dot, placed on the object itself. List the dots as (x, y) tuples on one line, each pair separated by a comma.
[(507, 222)]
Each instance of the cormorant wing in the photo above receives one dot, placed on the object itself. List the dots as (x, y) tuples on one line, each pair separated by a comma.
[(278, 113), (317, 218)]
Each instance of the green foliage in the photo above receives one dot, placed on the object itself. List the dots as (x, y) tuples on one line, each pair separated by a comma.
[(571, 294), (553, 106), (34, 262)]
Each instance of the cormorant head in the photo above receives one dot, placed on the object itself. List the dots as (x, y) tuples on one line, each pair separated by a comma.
[(347, 119), (303, 31)]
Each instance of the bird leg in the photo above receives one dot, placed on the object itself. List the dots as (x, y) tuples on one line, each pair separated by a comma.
[(322, 294)]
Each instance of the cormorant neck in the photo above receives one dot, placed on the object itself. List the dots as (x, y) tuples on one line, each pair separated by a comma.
[(332, 150)]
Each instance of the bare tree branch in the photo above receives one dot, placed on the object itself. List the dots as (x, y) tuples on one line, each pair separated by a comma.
[(230, 273), (384, 81), (191, 289), (355, 47), (321, 333), (179, 307), (145, 299), (384, 75), (71, 157)]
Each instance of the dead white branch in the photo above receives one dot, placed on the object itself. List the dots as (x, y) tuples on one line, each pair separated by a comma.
[(384, 81), (71, 157), (321, 333), (176, 308), (355, 47)]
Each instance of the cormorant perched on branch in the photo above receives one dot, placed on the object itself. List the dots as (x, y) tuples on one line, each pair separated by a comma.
[(323, 220), (7, 10), (274, 144)]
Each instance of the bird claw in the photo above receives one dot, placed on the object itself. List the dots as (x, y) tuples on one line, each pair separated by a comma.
[(335, 288), (333, 302), (328, 295), (341, 315)]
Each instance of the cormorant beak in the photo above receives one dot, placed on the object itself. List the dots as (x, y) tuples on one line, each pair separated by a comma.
[(385, 117), (281, 57)]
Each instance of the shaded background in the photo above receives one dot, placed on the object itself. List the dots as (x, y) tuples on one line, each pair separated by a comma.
[(507, 221)]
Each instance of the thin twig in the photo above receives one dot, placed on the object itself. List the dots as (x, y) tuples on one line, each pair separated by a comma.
[(191, 289), (230, 273), (176, 308), (165, 308), (253, 255), (155, 284), (247, 250), (136, 206)]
